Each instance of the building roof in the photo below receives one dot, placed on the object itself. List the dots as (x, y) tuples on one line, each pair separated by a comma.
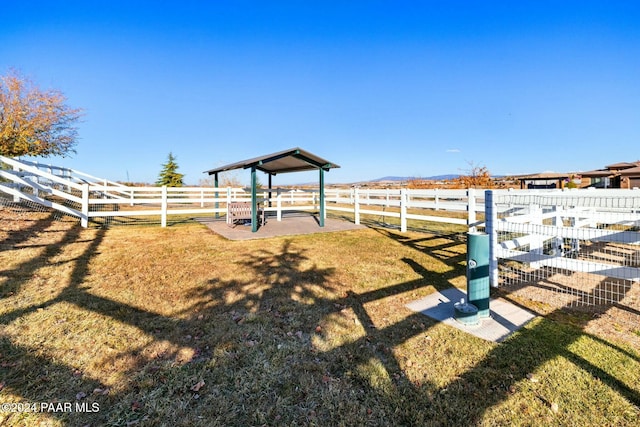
[(292, 160), (622, 165), (630, 171), (598, 173), (633, 170)]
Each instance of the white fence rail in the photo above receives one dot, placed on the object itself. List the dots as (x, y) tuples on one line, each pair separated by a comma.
[(408, 204), (85, 196)]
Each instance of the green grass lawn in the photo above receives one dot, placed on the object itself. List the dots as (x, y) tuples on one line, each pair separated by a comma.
[(180, 327)]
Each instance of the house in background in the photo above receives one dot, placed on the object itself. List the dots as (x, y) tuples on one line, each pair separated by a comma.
[(618, 175)]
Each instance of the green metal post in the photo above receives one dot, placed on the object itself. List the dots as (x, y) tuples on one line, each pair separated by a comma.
[(270, 184), (478, 272), (321, 197), (254, 201), (215, 183)]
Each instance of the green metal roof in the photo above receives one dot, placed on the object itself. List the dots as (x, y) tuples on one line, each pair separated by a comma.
[(292, 160)]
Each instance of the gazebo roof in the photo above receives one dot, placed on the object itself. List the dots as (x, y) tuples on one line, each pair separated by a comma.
[(292, 160)]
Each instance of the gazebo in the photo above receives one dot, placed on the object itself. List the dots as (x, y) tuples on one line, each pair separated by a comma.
[(543, 180), (292, 160)]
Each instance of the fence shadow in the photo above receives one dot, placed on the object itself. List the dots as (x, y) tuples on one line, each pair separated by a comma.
[(527, 339), (262, 341)]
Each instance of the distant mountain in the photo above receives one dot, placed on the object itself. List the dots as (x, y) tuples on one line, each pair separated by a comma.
[(406, 178), (390, 178)]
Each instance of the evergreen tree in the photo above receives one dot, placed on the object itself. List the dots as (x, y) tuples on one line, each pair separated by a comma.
[(169, 175)]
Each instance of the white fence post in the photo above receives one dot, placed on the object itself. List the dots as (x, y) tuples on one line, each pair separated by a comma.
[(279, 206), (356, 206), (536, 243), (491, 217), (226, 215), (436, 199), (84, 219), (403, 210), (68, 179), (471, 209), (323, 208), (163, 207), (36, 192), (16, 198)]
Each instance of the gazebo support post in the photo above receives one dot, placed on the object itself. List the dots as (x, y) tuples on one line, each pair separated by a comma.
[(270, 175), (254, 201), (215, 184), (321, 219)]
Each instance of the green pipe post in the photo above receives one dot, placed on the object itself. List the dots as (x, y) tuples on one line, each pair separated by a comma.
[(270, 184), (254, 201), (478, 272), (215, 183), (321, 197)]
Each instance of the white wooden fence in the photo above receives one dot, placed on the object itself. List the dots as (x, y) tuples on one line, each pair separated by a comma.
[(87, 197), (409, 204)]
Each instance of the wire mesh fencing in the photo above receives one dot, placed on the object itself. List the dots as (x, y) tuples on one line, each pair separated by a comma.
[(25, 207), (579, 250)]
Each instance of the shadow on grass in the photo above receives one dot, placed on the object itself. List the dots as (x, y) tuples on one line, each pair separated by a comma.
[(17, 276), (16, 237), (263, 354), (465, 400), (533, 340)]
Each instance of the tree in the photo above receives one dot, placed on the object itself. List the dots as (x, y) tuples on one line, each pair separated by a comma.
[(476, 177), (571, 182), (226, 179), (420, 183), (34, 122), (259, 184), (169, 175)]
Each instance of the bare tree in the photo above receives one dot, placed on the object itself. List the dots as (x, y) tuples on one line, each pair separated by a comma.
[(476, 177), (35, 122), (227, 179)]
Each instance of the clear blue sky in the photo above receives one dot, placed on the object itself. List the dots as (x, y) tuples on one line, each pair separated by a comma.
[(379, 87)]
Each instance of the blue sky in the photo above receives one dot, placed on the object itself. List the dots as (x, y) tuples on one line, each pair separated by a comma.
[(382, 88)]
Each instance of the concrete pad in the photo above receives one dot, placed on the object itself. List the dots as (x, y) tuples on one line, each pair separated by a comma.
[(290, 225), (505, 318)]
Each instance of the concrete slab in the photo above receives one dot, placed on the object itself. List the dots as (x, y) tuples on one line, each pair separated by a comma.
[(293, 224), (505, 317)]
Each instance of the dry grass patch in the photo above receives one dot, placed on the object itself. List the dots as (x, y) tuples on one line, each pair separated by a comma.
[(178, 326)]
